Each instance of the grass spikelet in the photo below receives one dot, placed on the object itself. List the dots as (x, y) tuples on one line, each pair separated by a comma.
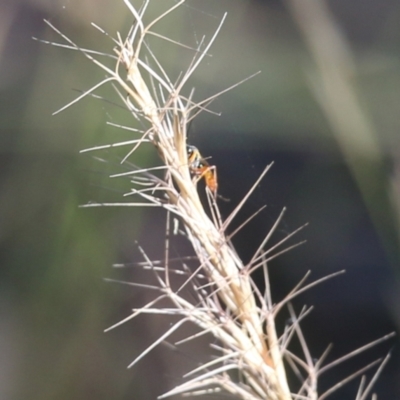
[(226, 303)]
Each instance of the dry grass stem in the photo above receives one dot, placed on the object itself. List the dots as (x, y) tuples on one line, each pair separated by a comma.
[(224, 301)]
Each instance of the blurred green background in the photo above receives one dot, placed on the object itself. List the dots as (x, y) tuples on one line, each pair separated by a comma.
[(325, 108)]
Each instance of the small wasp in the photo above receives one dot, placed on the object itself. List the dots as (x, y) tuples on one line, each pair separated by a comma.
[(199, 167)]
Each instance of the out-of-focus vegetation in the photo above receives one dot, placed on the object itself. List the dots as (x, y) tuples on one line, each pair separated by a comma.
[(340, 174)]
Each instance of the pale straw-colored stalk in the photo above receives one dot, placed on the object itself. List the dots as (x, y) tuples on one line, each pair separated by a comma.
[(227, 304)]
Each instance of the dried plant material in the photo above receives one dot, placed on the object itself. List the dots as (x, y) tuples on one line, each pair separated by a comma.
[(226, 302)]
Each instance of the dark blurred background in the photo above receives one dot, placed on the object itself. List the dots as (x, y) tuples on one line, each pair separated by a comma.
[(325, 109)]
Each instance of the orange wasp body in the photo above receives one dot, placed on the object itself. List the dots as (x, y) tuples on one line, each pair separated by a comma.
[(200, 167)]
